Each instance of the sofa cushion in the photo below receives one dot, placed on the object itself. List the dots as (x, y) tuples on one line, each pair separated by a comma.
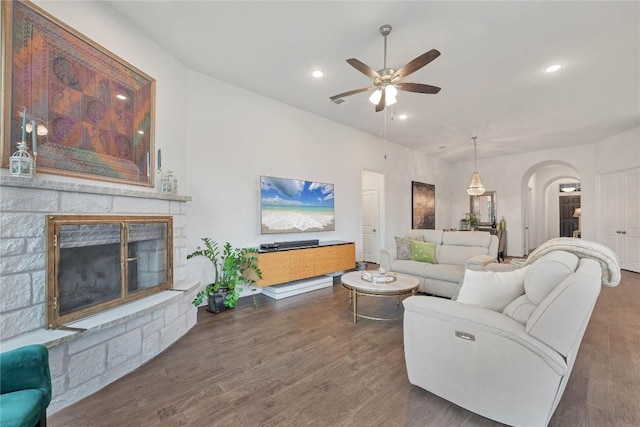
[(403, 246), (547, 272), (434, 236), (24, 407), (490, 289), (453, 254), (414, 268), (446, 272), (520, 309), (423, 251), (563, 316), (467, 238)]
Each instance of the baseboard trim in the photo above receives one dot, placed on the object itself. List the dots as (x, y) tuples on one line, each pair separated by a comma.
[(297, 287)]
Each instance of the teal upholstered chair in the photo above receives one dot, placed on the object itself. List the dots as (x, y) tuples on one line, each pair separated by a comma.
[(25, 387)]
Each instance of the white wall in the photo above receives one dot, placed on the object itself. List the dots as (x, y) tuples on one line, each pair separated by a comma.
[(505, 175), (235, 135), (218, 139)]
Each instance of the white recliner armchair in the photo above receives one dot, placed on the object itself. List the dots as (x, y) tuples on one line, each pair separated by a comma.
[(511, 366)]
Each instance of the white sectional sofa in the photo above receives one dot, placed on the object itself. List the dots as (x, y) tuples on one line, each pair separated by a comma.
[(512, 365), (455, 251)]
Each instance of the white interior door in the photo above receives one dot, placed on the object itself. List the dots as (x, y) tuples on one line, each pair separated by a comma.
[(621, 216), (631, 212), (370, 225), (611, 218)]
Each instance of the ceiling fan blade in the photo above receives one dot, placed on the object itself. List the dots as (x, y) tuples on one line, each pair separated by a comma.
[(351, 92), (363, 68), (415, 64), (417, 87), (382, 102)]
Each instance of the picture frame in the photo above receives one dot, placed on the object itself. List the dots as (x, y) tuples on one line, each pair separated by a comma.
[(99, 109), (296, 206), (423, 206)]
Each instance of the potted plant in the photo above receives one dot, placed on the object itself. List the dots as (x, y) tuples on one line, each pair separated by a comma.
[(232, 267), (471, 221), (474, 221)]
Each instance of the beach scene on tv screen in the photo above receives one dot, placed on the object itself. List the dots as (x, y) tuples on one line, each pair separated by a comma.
[(293, 206)]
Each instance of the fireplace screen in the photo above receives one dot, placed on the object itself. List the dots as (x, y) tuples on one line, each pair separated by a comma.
[(96, 263)]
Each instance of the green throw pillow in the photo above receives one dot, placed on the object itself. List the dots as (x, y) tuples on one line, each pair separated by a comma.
[(423, 251)]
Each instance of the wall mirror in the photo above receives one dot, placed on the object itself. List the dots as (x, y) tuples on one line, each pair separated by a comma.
[(485, 207)]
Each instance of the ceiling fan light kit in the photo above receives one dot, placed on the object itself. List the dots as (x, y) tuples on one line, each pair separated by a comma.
[(386, 82), (475, 188), (390, 93)]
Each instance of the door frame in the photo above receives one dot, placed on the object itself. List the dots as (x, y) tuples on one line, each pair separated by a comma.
[(380, 186)]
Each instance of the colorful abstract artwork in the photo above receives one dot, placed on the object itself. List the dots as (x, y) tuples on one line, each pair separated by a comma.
[(98, 109), (423, 212)]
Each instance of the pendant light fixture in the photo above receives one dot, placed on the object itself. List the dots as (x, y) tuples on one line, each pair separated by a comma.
[(475, 188)]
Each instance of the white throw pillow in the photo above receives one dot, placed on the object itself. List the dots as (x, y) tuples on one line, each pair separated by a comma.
[(491, 289)]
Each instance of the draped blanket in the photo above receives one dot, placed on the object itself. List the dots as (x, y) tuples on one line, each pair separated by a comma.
[(583, 249)]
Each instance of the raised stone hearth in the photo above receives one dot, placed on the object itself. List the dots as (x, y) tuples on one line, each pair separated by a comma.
[(90, 353)]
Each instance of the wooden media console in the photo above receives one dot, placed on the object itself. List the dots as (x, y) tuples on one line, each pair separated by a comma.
[(290, 264)]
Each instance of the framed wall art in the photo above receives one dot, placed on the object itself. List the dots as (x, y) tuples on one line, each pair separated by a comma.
[(296, 206), (423, 209), (98, 109)]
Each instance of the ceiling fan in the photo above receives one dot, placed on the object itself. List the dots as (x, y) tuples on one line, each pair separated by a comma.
[(386, 82)]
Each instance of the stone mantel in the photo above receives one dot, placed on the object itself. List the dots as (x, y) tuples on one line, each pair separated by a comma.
[(44, 184), (110, 344)]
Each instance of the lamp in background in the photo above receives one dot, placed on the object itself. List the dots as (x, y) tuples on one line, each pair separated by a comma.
[(475, 188), (390, 93), (570, 187), (578, 214)]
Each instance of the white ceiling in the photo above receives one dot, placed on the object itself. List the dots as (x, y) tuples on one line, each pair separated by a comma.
[(490, 71)]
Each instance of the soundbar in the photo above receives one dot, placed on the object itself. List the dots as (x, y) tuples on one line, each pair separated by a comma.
[(291, 244), (297, 243)]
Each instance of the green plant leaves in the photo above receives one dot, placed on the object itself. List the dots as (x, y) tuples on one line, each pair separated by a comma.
[(230, 268)]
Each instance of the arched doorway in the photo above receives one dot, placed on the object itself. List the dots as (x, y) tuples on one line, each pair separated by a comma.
[(541, 201)]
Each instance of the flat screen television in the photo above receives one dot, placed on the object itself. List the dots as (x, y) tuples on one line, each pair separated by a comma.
[(295, 206)]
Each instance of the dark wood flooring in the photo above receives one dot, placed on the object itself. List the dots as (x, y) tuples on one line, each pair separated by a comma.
[(302, 362)]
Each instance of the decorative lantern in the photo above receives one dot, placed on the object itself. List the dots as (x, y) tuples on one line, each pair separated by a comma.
[(21, 162), (169, 183)]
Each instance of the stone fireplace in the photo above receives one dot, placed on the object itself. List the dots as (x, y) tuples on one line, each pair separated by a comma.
[(96, 262), (89, 352)]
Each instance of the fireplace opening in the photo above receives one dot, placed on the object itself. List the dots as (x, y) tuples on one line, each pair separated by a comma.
[(99, 262)]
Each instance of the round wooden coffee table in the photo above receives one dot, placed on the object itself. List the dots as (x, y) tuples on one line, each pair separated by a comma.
[(404, 285)]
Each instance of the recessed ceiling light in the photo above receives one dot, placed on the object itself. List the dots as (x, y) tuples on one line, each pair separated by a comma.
[(121, 96), (317, 73), (553, 68), (402, 116)]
